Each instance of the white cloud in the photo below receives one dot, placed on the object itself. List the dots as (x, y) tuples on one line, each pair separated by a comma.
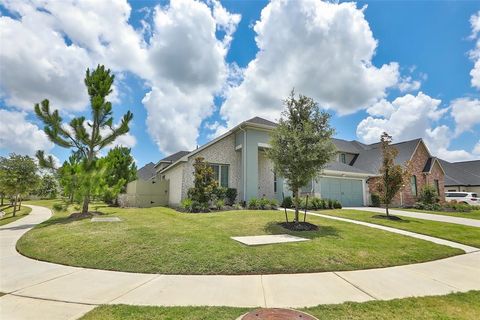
[(189, 69), (408, 84), (46, 52), (466, 113), (18, 135), (407, 117), (475, 53), (322, 49), (476, 149)]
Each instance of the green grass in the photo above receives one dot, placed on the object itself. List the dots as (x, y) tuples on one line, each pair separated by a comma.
[(452, 306), (474, 214), (449, 231), (161, 240), (9, 214)]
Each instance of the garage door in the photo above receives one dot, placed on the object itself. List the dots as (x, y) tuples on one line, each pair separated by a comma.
[(348, 191)]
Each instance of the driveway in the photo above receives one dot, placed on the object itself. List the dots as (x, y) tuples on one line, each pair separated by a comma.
[(61, 292), (424, 216)]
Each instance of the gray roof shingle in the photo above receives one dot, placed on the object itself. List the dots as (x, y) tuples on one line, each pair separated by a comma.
[(174, 157), (465, 173), (339, 166), (146, 172), (262, 121)]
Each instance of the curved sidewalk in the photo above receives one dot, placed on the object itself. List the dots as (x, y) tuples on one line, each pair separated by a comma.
[(25, 278), (424, 216)]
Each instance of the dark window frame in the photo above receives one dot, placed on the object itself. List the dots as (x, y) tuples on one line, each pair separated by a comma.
[(413, 185)]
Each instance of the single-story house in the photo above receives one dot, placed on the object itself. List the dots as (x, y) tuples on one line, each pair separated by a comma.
[(462, 176), (239, 161)]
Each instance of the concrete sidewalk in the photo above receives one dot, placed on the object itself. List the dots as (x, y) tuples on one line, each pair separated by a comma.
[(63, 292), (424, 216)]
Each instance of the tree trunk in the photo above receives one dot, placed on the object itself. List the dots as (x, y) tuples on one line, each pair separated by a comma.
[(86, 200), (20, 203), (2, 196), (15, 205), (386, 209), (296, 206)]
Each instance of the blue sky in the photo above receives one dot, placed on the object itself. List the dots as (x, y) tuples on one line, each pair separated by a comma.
[(183, 92)]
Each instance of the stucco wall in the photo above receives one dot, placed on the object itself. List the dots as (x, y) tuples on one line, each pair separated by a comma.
[(175, 177), (265, 177), (141, 193), (221, 152)]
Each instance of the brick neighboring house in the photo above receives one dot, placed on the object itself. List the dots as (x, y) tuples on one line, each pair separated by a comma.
[(239, 160)]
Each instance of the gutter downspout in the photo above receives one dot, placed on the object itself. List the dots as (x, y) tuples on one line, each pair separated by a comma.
[(244, 160)]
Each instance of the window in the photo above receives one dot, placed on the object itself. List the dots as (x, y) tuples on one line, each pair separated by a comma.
[(343, 158), (220, 172), (275, 182), (437, 186), (413, 185)]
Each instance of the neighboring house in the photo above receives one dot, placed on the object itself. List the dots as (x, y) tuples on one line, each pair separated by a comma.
[(239, 160), (462, 176), (147, 171)]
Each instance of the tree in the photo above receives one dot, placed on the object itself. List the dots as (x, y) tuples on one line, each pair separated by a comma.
[(48, 187), (68, 177), (19, 176), (393, 176), (204, 184), (86, 138), (119, 169), (301, 144)]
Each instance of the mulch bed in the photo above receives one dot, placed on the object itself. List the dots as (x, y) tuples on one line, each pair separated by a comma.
[(393, 218), (299, 226), (79, 215), (277, 314)]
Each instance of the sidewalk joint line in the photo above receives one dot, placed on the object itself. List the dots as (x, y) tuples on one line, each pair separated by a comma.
[(42, 282), (263, 291), (140, 285), (354, 285), (54, 300)]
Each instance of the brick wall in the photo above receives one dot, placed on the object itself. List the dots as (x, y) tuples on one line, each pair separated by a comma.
[(406, 196)]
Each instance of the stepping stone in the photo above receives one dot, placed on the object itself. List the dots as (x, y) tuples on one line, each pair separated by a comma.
[(276, 314), (106, 219), (268, 239)]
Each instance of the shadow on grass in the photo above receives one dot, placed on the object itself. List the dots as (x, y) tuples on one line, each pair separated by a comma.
[(67, 219), (391, 218), (274, 227)]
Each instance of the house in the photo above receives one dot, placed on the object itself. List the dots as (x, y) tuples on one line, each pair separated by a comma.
[(239, 160), (462, 176)]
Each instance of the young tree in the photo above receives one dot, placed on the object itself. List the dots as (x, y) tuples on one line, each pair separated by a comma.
[(69, 176), (86, 138), (204, 184), (19, 176), (393, 176), (119, 169), (48, 187), (301, 144)]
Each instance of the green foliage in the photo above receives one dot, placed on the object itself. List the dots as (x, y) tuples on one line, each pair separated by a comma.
[(219, 204), (18, 176), (428, 195), (58, 207), (427, 206), (69, 176), (337, 204), (329, 204), (393, 176), (262, 204), (86, 138), (253, 204), (375, 200), (48, 187), (460, 207), (231, 196), (301, 144), (287, 202), (220, 193), (204, 184)]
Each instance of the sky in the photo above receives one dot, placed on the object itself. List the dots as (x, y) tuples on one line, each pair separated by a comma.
[(191, 70)]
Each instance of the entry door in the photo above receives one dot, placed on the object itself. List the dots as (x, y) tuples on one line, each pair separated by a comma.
[(348, 191)]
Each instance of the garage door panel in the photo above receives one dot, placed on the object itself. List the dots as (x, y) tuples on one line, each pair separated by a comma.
[(348, 191)]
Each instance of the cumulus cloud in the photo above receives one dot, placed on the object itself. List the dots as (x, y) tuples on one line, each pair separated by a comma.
[(466, 113), (188, 64), (475, 53), (322, 49), (46, 51), (19, 135)]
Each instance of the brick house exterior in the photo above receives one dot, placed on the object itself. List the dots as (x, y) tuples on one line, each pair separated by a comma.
[(426, 170)]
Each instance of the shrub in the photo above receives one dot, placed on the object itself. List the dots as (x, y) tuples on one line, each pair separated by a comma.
[(428, 195), (316, 203), (273, 204), (287, 202), (337, 204), (186, 204), (237, 206), (460, 207), (375, 200), (330, 204), (219, 204), (427, 206), (220, 193), (323, 204), (231, 196), (253, 204), (264, 204), (58, 207)]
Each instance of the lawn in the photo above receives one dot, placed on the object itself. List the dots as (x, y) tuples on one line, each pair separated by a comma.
[(9, 212), (449, 231), (161, 240), (452, 306), (474, 214)]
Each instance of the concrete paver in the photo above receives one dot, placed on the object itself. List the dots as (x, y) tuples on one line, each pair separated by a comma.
[(268, 239), (424, 216), (23, 308)]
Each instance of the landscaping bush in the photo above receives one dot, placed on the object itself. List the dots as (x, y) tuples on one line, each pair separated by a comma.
[(316, 203), (287, 202), (231, 196), (323, 204), (253, 204), (459, 207), (58, 207), (264, 204), (273, 204), (428, 195), (427, 206), (330, 204), (337, 204), (219, 204), (375, 200), (220, 193)]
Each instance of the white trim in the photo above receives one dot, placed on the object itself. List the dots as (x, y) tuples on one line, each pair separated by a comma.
[(345, 174), (263, 145), (240, 146)]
